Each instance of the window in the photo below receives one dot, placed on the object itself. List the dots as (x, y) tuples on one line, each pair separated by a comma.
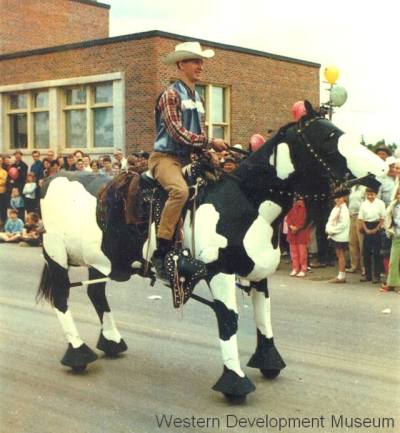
[(85, 112), (217, 106), (28, 116), (88, 114)]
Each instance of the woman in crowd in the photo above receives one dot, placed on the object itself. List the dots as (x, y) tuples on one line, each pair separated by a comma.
[(61, 162), (94, 165), (392, 226)]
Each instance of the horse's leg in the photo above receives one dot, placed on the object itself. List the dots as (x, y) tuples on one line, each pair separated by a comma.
[(233, 383), (266, 356), (110, 340), (54, 286)]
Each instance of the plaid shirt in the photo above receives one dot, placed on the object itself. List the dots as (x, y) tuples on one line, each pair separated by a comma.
[(169, 107)]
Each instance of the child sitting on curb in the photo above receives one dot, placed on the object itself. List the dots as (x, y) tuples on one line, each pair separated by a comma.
[(13, 228), (33, 230)]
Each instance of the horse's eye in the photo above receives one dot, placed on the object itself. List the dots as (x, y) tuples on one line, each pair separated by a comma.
[(332, 134)]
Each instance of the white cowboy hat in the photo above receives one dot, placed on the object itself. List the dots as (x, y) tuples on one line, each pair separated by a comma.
[(187, 51)]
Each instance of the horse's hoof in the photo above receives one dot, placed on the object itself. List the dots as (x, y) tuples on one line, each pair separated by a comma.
[(79, 357), (267, 358), (233, 386), (121, 275), (235, 399), (79, 368), (109, 347), (269, 373)]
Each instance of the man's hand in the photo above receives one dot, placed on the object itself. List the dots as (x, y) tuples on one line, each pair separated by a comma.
[(219, 144)]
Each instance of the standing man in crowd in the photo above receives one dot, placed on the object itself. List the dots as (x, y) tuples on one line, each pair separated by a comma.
[(51, 156), (22, 170), (37, 166), (388, 181), (119, 157), (356, 236), (371, 216), (179, 116), (383, 152)]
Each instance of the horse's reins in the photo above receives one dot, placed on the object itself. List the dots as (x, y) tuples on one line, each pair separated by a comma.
[(301, 133)]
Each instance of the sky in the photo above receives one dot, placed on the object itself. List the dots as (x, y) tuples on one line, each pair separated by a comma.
[(359, 39)]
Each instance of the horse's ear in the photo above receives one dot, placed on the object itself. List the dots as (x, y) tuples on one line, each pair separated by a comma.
[(309, 108)]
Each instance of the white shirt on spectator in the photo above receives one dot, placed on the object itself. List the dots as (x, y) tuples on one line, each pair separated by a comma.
[(372, 211), (338, 225), (386, 189), (124, 163), (29, 190)]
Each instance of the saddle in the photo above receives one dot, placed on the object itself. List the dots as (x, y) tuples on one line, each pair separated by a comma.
[(138, 199)]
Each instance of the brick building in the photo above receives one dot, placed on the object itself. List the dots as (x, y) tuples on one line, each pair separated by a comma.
[(98, 93)]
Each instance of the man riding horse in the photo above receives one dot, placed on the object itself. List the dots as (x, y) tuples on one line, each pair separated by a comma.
[(179, 116)]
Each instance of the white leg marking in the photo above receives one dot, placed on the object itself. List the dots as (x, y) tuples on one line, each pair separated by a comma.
[(262, 313), (258, 245), (69, 328), (223, 289), (110, 330)]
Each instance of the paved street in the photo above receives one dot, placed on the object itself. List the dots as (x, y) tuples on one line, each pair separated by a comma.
[(342, 355)]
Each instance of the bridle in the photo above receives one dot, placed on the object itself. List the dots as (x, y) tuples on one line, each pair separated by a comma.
[(301, 132)]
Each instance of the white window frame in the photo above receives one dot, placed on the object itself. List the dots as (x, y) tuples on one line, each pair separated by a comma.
[(56, 115), (208, 109), (30, 111)]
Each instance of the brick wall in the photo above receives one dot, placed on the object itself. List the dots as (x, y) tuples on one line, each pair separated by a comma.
[(29, 24), (262, 89)]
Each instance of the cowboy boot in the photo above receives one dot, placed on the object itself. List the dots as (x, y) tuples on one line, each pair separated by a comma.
[(158, 259)]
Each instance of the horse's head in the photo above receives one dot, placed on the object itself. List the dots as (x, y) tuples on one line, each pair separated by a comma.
[(311, 155), (320, 153)]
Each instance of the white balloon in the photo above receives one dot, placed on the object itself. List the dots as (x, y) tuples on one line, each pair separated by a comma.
[(338, 95)]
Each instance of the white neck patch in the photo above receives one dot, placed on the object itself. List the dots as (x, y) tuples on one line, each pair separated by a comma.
[(284, 166)]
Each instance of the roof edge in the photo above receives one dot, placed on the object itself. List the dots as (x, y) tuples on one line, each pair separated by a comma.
[(93, 3), (150, 34)]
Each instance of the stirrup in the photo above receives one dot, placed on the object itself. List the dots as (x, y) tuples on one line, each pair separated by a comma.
[(184, 273)]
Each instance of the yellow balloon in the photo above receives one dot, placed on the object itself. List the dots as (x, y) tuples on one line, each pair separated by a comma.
[(331, 74)]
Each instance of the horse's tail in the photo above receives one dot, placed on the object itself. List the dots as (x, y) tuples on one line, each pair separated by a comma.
[(45, 289)]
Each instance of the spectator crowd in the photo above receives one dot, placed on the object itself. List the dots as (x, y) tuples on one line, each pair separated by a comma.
[(20, 184), (362, 230)]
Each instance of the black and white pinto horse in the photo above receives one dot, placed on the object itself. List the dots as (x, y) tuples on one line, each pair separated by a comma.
[(236, 233)]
